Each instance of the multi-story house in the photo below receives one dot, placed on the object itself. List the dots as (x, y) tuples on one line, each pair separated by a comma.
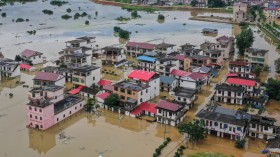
[(87, 75), (75, 56), (240, 69), (31, 56), (142, 86), (249, 85), (136, 48), (66, 72), (48, 79), (166, 64), (181, 59), (273, 145), (9, 68), (272, 12), (256, 56), (112, 55), (184, 96), (48, 106), (196, 61), (146, 63), (167, 83), (224, 122), (165, 48), (263, 127), (215, 55), (225, 44), (170, 113), (240, 12), (226, 93)]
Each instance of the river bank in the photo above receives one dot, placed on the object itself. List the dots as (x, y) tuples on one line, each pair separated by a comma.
[(216, 19), (167, 8)]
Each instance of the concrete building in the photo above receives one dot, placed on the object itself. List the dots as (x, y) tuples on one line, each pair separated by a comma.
[(165, 48), (112, 55), (229, 94), (9, 69), (225, 123), (48, 79), (165, 65), (272, 13), (136, 49), (48, 106), (240, 12), (167, 83), (225, 44), (256, 56), (87, 75), (241, 69), (32, 56), (249, 85), (146, 63), (184, 96)]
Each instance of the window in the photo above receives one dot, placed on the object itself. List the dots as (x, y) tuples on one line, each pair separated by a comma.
[(238, 128), (233, 129), (230, 128), (141, 100), (33, 95), (146, 90), (30, 108), (179, 98), (76, 108), (216, 123), (41, 126), (30, 116), (266, 128), (185, 99), (122, 97), (253, 125), (35, 109), (116, 88), (40, 110), (159, 111), (123, 90), (41, 93), (64, 116), (93, 78), (36, 117), (80, 105), (82, 81), (239, 94), (57, 119), (219, 92), (70, 112), (170, 114), (141, 93), (128, 91)]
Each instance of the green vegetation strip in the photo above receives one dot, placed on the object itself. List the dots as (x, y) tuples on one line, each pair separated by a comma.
[(140, 8), (163, 145)]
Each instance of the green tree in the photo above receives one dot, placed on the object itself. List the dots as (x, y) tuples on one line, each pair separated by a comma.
[(216, 3), (68, 10), (86, 22), (91, 105), (134, 14), (18, 58), (195, 130), (258, 70), (112, 100), (244, 40), (124, 34), (117, 29), (272, 89), (240, 143), (194, 3), (161, 17), (277, 65)]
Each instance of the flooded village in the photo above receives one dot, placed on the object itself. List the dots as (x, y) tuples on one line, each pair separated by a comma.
[(139, 78)]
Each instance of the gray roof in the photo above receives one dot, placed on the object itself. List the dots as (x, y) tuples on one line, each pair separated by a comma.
[(85, 68), (46, 88), (66, 103), (274, 143), (131, 86), (205, 69), (227, 87), (150, 53), (167, 79), (183, 92)]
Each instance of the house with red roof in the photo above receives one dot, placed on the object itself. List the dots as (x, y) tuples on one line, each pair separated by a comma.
[(144, 109), (101, 97), (240, 69), (48, 79), (249, 85), (137, 48), (142, 86), (32, 56), (103, 82), (170, 113)]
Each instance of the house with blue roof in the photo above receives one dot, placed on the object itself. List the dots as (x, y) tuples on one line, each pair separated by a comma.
[(167, 83), (146, 63)]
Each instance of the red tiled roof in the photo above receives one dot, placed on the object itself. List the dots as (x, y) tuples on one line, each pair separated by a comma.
[(141, 45), (238, 63), (180, 73), (76, 91), (180, 57), (232, 75), (141, 75), (169, 105), (224, 38), (103, 96), (243, 82), (108, 87), (46, 76), (29, 53), (25, 66), (104, 82), (196, 76), (144, 106)]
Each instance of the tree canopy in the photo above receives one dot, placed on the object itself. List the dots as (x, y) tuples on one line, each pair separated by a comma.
[(244, 40), (216, 3), (195, 130), (90, 105), (194, 3), (273, 87), (112, 100), (258, 70), (277, 65)]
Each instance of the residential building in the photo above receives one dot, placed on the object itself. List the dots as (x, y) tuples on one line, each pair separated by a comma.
[(153, 54), (75, 56), (226, 93), (272, 12), (101, 98), (9, 69), (167, 83), (241, 69), (184, 96), (48, 106), (210, 31), (87, 75), (137, 48), (225, 44), (144, 108), (146, 63), (263, 127), (181, 59), (215, 55), (240, 11), (48, 79), (31, 56), (112, 55), (165, 48), (273, 145), (196, 61), (142, 86), (66, 72), (224, 122), (166, 64), (256, 56), (170, 113), (89, 92), (249, 85)]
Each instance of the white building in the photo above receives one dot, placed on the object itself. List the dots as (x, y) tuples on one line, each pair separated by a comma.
[(137, 48), (184, 96), (48, 79), (165, 65), (87, 75), (112, 55), (167, 83), (249, 85), (165, 48), (32, 56), (225, 44), (226, 93), (256, 56), (146, 63), (241, 69), (9, 68), (224, 122)]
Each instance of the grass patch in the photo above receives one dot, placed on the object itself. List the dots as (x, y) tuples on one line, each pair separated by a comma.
[(140, 8), (122, 18)]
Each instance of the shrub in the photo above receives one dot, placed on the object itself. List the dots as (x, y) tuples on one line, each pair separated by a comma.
[(240, 143), (168, 139), (86, 22), (66, 17), (76, 16), (161, 17), (19, 20), (58, 3), (48, 12), (26, 20), (84, 14), (68, 10), (3, 14)]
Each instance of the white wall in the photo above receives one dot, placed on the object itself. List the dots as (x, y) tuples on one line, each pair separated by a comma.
[(66, 112)]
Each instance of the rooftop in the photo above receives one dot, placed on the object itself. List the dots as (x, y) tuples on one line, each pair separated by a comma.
[(103, 96), (240, 4), (227, 87), (179, 73), (225, 38), (39, 103), (243, 82), (180, 57), (165, 59), (131, 86), (75, 41), (266, 121), (169, 106), (47, 76), (239, 63), (144, 106), (141, 45), (46, 88), (30, 53), (111, 48), (85, 68), (164, 45), (147, 59), (88, 90), (183, 92), (198, 76), (151, 53), (198, 57), (66, 103), (103, 82), (141, 75), (255, 50), (167, 79)]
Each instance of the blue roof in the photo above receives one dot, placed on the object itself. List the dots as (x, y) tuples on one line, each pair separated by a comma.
[(166, 79), (146, 58)]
